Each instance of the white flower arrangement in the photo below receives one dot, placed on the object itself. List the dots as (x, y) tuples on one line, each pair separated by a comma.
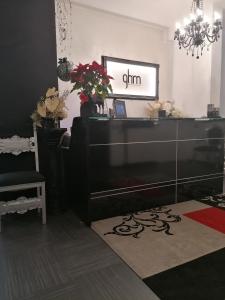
[(155, 106), (51, 106)]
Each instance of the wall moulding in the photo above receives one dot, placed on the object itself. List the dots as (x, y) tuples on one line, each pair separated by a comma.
[(124, 17)]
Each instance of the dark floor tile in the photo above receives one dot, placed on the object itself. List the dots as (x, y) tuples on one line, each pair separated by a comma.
[(116, 282), (62, 260)]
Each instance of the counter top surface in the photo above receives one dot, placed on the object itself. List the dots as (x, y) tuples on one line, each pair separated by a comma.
[(156, 119)]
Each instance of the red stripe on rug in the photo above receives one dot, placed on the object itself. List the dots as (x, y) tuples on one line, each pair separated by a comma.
[(212, 217)]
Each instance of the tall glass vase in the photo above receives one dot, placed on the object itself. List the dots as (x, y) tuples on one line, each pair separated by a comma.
[(88, 109)]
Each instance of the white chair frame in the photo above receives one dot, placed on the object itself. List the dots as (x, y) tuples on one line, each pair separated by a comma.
[(17, 145)]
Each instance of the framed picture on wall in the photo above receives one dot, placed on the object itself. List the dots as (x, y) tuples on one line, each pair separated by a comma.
[(132, 79), (119, 108)]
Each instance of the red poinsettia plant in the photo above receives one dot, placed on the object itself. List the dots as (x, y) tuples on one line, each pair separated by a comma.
[(92, 81)]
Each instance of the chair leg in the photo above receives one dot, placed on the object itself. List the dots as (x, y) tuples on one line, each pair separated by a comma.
[(43, 205), (0, 223), (39, 195)]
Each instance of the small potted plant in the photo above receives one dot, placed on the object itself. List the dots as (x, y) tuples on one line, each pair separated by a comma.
[(161, 108), (93, 85), (50, 109)]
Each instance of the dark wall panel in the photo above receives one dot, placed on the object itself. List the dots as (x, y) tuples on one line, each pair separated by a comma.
[(27, 59)]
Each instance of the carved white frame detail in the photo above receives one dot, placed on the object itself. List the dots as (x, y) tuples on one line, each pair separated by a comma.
[(16, 145), (20, 205)]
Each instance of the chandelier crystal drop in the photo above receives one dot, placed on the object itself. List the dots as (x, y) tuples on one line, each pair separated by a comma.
[(197, 33)]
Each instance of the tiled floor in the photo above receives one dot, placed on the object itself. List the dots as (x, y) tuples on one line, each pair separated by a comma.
[(62, 260)]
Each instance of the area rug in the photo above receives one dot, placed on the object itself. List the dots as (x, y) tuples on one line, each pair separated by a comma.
[(212, 217), (155, 240), (216, 200), (200, 279)]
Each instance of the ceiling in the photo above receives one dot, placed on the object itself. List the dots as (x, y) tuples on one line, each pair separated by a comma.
[(161, 12)]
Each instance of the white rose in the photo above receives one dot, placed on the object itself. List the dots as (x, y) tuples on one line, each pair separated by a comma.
[(176, 113), (156, 105), (41, 109)]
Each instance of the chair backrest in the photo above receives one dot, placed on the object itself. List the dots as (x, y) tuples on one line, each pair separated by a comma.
[(16, 145)]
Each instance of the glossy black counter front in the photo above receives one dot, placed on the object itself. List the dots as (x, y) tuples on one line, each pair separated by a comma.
[(119, 166)]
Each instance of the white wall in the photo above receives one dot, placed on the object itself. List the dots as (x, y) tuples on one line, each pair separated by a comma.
[(96, 33), (195, 81), (216, 73), (222, 87), (217, 61), (191, 83)]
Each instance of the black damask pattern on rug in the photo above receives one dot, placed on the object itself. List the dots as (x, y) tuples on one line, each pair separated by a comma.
[(216, 200), (158, 219)]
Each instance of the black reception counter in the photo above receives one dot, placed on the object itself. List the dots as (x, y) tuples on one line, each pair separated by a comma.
[(121, 166)]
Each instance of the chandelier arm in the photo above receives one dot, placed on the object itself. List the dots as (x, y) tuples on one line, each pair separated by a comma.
[(185, 40), (187, 37), (211, 38), (186, 45)]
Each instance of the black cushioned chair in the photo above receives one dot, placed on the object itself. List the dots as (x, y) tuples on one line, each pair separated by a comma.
[(22, 180)]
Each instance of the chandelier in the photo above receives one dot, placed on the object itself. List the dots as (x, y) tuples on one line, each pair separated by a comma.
[(197, 34)]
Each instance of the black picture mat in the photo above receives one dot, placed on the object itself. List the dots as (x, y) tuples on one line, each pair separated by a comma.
[(200, 279), (105, 59), (119, 108)]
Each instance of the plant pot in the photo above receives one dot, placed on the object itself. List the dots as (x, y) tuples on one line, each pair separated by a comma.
[(48, 122), (162, 113), (88, 109)]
